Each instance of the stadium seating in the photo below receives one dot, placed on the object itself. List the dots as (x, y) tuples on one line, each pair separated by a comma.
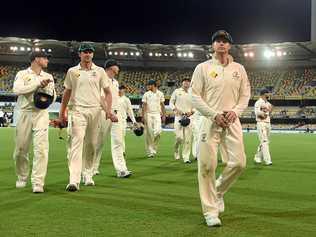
[(7, 75), (284, 82), (285, 112)]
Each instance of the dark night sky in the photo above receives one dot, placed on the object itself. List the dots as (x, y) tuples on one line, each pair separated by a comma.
[(167, 22)]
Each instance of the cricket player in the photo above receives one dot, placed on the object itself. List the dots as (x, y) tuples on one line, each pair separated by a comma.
[(263, 110), (125, 109), (220, 92), (32, 122), (153, 113), (115, 130), (83, 85), (180, 103), (2, 118)]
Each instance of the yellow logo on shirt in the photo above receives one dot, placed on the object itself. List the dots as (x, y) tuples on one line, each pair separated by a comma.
[(213, 74), (27, 79)]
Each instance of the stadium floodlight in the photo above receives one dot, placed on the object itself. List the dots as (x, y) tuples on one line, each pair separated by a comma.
[(22, 48), (266, 54), (156, 54), (185, 55), (269, 54), (115, 53), (251, 54), (29, 49), (166, 55), (179, 55), (284, 53), (137, 53), (279, 53), (150, 54), (49, 50), (191, 55), (13, 48), (121, 53), (126, 53), (110, 53), (37, 49), (132, 53), (43, 50), (171, 54), (246, 54)]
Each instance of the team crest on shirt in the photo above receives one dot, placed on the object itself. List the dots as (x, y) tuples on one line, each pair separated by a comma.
[(94, 73), (236, 75), (214, 74), (77, 74), (27, 78)]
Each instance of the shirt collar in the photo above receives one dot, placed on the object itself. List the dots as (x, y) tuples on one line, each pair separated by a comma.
[(214, 60), (181, 88), (93, 67), (29, 70), (262, 100)]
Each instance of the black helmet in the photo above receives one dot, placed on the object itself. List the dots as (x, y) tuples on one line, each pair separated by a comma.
[(43, 98), (138, 131), (184, 121)]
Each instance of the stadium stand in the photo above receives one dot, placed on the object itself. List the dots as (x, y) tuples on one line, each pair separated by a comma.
[(283, 83), (290, 78)]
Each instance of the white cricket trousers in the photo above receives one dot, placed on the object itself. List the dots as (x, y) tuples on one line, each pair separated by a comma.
[(231, 139), (196, 126), (83, 127), (115, 130), (152, 132), (32, 124), (124, 127), (263, 152), (183, 137), (196, 123)]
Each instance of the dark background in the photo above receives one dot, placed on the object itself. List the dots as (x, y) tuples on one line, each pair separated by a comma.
[(167, 22)]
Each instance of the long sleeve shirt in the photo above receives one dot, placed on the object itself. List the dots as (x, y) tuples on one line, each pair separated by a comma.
[(217, 88), (259, 105), (26, 83), (125, 108), (181, 100)]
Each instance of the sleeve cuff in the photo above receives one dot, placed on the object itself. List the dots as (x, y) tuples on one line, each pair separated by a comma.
[(236, 112)]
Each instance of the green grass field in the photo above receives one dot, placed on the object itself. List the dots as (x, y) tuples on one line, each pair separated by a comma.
[(161, 198)]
